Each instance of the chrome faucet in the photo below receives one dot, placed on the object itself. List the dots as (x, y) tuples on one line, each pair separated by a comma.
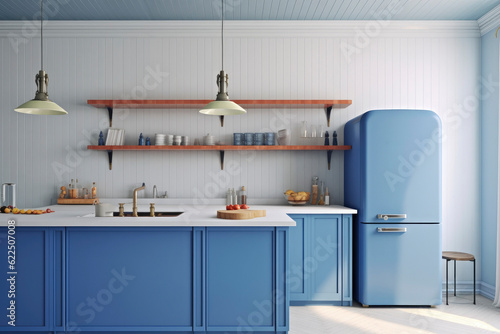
[(134, 205)]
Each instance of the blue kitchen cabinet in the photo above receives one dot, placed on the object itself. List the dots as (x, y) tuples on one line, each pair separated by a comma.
[(246, 285), (38, 280), (321, 260), (132, 278), (165, 279), (299, 243)]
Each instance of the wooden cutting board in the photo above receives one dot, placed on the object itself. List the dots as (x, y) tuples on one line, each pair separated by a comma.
[(240, 214)]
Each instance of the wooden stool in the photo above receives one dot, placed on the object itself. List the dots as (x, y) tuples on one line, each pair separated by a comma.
[(458, 256)]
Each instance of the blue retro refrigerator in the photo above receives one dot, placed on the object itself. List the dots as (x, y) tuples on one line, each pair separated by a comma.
[(393, 179)]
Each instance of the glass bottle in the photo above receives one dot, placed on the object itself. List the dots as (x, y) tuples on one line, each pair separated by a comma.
[(303, 129), (93, 191), (243, 196), (72, 190), (321, 193), (234, 197), (314, 197), (79, 190)]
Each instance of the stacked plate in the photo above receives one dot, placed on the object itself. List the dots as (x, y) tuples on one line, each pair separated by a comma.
[(162, 139)]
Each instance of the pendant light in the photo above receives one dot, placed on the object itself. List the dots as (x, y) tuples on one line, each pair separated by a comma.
[(41, 105), (222, 105)]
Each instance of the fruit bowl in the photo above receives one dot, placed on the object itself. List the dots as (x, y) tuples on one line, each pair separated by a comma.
[(297, 198)]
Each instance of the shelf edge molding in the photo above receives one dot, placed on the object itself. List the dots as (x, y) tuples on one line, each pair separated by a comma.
[(219, 148)]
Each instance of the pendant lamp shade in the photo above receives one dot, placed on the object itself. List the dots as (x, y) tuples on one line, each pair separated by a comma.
[(222, 106), (41, 105), (38, 107)]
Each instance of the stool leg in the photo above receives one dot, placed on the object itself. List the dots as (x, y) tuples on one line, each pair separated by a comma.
[(455, 277), (474, 281), (447, 281)]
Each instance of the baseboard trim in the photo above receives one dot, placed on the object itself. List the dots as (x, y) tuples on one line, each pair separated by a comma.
[(466, 287), (487, 290)]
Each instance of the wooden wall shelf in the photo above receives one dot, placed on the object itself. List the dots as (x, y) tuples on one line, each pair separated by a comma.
[(110, 105), (220, 148)]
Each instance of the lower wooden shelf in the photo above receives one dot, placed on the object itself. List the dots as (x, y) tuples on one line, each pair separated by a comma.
[(220, 148)]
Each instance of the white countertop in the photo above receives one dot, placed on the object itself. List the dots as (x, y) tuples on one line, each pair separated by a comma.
[(193, 215)]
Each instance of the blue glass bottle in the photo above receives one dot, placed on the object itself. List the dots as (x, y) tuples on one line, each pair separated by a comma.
[(101, 139)]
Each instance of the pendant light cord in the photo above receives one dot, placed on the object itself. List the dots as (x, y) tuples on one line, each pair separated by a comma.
[(222, 34), (41, 32)]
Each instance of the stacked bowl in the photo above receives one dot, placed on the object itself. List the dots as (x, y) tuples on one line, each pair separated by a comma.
[(284, 137)]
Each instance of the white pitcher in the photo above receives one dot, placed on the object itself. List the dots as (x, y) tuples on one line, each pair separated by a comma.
[(104, 210)]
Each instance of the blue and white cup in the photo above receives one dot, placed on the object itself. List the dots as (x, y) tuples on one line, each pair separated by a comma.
[(258, 138), (269, 138), (248, 138), (237, 138)]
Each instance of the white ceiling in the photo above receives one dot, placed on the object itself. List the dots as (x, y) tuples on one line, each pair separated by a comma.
[(247, 9)]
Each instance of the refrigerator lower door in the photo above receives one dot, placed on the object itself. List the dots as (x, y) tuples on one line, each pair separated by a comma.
[(399, 264)]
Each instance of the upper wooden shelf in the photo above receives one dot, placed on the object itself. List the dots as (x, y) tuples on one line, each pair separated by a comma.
[(192, 104)]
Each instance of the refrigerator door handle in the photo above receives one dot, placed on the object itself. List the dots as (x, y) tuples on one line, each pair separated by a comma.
[(392, 229), (391, 216)]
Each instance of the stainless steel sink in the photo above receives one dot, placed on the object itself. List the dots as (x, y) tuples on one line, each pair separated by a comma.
[(162, 214)]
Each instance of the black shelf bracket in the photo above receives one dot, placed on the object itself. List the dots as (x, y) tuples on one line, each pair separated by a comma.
[(329, 157), (110, 115), (328, 111), (110, 159), (221, 160)]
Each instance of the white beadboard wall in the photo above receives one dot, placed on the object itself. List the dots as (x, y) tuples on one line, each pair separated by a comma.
[(431, 65)]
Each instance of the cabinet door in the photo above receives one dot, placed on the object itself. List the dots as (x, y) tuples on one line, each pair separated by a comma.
[(347, 259), (297, 279), (130, 278), (240, 279), (30, 286), (325, 262), (58, 274)]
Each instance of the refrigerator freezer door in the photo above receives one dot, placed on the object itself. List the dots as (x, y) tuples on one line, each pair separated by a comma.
[(400, 264), (402, 153)]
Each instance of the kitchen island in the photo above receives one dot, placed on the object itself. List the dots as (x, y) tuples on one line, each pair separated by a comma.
[(190, 273)]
